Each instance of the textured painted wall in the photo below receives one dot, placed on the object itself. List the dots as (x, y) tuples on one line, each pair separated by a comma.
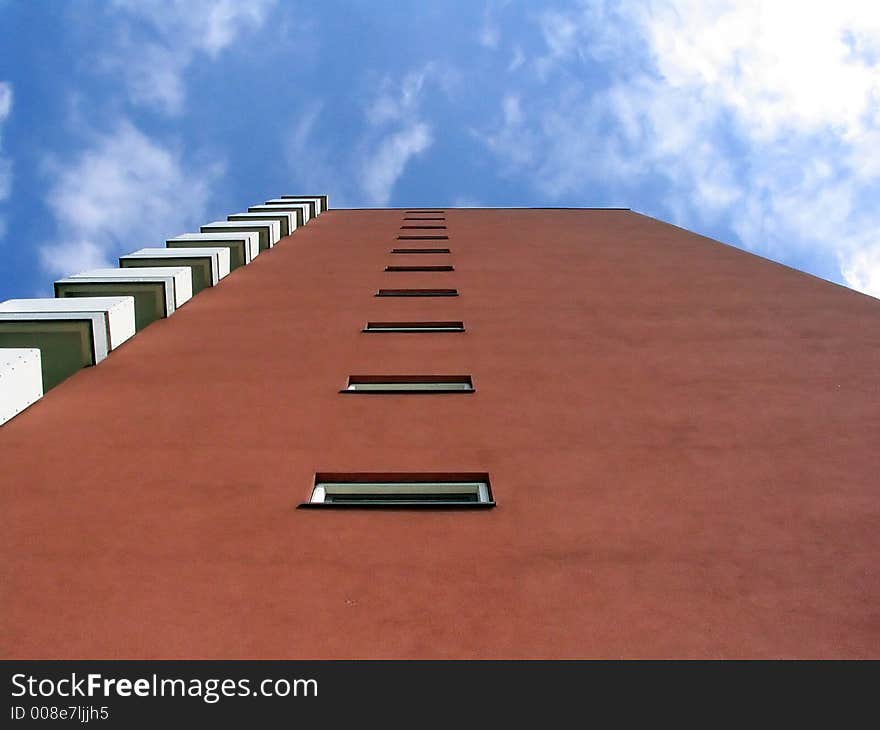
[(681, 439)]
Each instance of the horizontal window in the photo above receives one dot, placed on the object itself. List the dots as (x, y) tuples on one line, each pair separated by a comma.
[(401, 490), (420, 250), (414, 327), (409, 384), (423, 238), (424, 228), (423, 219), (417, 293), (444, 267)]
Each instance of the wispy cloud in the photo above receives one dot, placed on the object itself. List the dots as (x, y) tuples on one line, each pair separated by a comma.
[(398, 132), (468, 203), (386, 164), (5, 164), (517, 59), (315, 163), (490, 34), (124, 191), (157, 40), (560, 32), (772, 133), (396, 101), (395, 131)]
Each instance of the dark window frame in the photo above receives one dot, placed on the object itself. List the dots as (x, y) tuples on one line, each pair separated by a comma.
[(450, 326), (408, 379), (429, 268), (421, 250), (481, 480), (417, 293)]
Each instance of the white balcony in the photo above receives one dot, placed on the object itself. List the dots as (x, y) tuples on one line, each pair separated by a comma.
[(244, 246), (302, 211), (21, 380), (158, 290), (286, 219), (70, 333), (268, 230), (207, 264)]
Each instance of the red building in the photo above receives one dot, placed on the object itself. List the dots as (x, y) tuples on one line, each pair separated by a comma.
[(679, 440)]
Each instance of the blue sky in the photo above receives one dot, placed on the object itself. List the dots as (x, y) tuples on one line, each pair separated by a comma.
[(123, 123)]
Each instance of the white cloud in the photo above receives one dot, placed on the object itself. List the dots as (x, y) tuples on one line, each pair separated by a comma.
[(861, 268), (396, 102), (156, 40), (154, 78), (515, 140), (5, 100), (560, 33), (746, 56), (398, 132), (5, 164), (386, 164), (489, 36), (313, 161), (746, 121), (123, 192), (517, 60), (395, 132)]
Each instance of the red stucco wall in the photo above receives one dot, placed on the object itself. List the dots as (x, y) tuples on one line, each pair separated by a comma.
[(682, 440)]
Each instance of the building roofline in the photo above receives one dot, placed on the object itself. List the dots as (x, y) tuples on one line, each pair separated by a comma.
[(495, 207)]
